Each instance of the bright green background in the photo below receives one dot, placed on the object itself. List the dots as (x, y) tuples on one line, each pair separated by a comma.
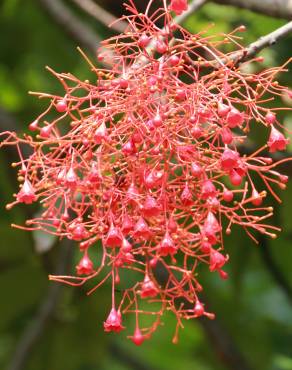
[(251, 306)]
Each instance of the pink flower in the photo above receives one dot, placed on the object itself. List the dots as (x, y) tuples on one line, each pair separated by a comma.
[(141, 229), (148, 288), (138, 338), (178, 6), (217, 260), (199, 309), (151, 207), (208, 189), (186, 196), (235, 118), (113, 322), (113, 238), (226, 135), (229, 159), (101, 134), (167, 246), (71, 179), (61, 106), (78, 232), (85, 266), (211, 228), (270, 118), (277, 140), (26, 194)]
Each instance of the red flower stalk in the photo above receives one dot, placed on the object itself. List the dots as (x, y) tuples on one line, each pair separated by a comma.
[(144, 164)]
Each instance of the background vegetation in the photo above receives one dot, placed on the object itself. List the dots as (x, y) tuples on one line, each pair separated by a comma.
[(44, 326)]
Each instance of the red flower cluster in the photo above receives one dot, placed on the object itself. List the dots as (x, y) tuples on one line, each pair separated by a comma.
[(142, 166)]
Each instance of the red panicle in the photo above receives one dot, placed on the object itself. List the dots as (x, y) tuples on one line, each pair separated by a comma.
[(143, 166)]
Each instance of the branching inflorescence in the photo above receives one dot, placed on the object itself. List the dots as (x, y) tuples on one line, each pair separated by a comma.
[(142, 167)]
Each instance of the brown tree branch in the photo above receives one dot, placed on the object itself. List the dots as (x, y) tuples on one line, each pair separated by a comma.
[(223, 345), (36, 327), (193, 7), (273, 269), (250, 51), (274, 8), (268, 40), (127, 358), (100, 14), (71, 24), (7, 121)]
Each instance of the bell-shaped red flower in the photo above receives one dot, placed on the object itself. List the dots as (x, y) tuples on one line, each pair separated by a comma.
[(100, 134), (148, 288), (235, 118), (178, 6), (113, 322), (141, 229), (138, 338), (186, 196), (210, 228), (208, 189), (26, 194), (167, 246), (114, 237), (151, 207), (217, 260), (277, 140), (229, 159), (78, 232), (85, 266), (71, 179)]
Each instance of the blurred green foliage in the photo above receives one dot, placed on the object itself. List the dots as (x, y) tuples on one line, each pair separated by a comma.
[(251, 305)]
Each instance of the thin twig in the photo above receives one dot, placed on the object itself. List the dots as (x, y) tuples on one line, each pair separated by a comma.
[(273, 8), (102, 15), (72, 25), (36, 327), (249, 52), (193, 7), (268, 40), (273, 269), (224, 345), (125, 357)]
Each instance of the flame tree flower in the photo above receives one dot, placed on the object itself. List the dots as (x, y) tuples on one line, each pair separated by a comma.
[(142, 166)]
